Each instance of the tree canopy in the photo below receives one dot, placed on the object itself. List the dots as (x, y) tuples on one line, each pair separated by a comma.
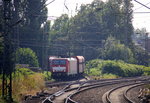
[(30, 31), (85, 33), (26, 56), (113, 50)]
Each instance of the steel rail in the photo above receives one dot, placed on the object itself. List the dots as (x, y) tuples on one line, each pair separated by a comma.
[(114, 89), (125, 92), (91, 86), (69, 100), (83, 87), (60, 92)]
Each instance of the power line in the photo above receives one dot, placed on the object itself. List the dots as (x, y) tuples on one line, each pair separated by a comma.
[(65, 5), (34, 13), (141, 4), (141, 12), (49, 3)]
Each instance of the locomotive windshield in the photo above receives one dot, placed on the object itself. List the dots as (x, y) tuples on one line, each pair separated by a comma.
[(59, 62)]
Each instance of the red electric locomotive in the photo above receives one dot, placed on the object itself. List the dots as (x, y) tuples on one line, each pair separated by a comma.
[(62, 67)]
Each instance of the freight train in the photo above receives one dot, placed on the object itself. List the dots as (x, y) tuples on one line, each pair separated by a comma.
[(66, 67)]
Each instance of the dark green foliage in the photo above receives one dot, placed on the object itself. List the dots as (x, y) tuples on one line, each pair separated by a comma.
[(118, 68), (122, 69), (23, 71), (33, 14), (140, 52), (113, 50), (142, 57), (1, 39), (1, 46), (26, 56), (147, 71), (84, 33)]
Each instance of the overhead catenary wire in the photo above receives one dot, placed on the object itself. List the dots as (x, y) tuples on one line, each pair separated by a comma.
[(48, 3), (34, 13), (142, 4), (68, 8), (65, 5), (141, 12)]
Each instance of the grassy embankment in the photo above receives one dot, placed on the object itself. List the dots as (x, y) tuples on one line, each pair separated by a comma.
[(26, 82), (114, 69)]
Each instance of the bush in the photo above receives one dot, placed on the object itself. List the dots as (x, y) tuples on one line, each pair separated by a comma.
[(114, 50), (146, 71), (109, 76), (122, 69), (117, 68), (26, 56), (47, 75), (94, 72)]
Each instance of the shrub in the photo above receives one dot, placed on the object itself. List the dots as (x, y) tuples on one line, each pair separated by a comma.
[(47, 75), (109, 76), (146, 71), (26, 56), (94, 72), (114, 50), (117, 68)]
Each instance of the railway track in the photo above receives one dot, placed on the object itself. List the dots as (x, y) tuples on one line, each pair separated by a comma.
[(69, 100), (73, 88), (58, 96), (119, 94)]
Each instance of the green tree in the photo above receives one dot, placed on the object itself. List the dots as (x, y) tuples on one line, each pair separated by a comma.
[(60, 27), (33, 14), (142, 57), (26, 56), (140, 53), (93, 24), (113, 50), (59, 36)]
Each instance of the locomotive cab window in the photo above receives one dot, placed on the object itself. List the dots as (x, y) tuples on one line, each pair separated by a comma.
[(55, 62), (59, 62), (62, 62)]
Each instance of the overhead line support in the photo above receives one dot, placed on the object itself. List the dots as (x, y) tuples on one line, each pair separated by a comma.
[(7, 67)]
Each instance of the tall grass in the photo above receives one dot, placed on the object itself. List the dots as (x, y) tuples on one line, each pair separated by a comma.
[(26, 82)]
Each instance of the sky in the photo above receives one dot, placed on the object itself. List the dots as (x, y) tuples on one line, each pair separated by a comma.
[(140, 20)]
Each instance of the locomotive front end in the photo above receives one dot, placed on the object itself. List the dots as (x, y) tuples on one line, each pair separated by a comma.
[(59, 67)]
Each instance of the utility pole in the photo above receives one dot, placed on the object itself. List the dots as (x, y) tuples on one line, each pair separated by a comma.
[(7, 53), (146, 48), (146, 42)]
